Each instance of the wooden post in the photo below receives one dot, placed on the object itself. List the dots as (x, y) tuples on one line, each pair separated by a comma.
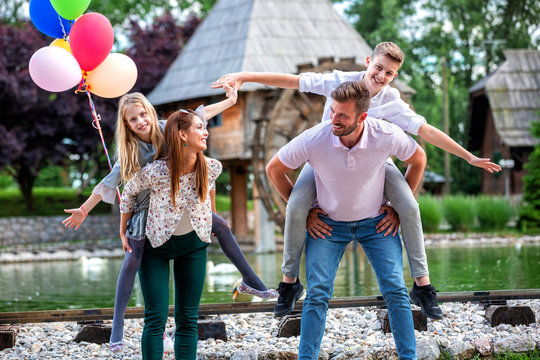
[(264, 227), (239, 198), (446, 126)]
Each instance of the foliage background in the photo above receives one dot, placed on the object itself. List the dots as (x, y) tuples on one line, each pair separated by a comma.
[(40, 130)]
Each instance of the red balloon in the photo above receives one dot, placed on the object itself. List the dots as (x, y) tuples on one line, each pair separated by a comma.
[(91, 40)]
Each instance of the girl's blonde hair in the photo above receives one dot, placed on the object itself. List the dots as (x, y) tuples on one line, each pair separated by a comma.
[(181, 120), (127, 143)]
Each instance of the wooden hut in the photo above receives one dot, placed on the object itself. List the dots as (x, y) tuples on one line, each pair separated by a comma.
[(258, 35), (502, 107)]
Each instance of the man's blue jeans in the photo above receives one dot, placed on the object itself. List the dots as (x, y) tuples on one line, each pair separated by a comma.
[(322, 260)]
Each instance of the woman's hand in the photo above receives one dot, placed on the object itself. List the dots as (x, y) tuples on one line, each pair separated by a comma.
[(315, 226), (125, 243), (231, 92), (390, 222), (76, 219)]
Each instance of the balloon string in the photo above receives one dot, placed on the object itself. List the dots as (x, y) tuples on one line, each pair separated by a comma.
[(96, 125), (63, 29)]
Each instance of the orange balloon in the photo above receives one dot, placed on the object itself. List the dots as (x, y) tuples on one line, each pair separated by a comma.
[(114, 77), (61, 43)]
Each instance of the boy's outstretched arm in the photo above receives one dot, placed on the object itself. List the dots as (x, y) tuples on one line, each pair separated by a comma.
[(436, 137), (217, 108), (281, 80)]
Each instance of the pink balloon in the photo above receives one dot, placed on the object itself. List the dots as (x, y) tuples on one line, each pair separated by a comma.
[(91, 40), (54, 69)]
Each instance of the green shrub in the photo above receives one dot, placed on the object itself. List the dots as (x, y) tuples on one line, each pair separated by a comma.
[(46, 201), (223, 203), (6, 181), (431, 213), (459, 212), (50, 176), (493, 213), (529, 213)]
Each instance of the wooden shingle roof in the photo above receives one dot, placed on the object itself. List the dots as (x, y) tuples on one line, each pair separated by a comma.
[(513, 91), (258, 35)]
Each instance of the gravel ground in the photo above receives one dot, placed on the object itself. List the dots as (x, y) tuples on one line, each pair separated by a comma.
[(352, 333)]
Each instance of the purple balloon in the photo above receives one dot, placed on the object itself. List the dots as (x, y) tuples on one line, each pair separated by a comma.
[(47, 20), (54, 69)]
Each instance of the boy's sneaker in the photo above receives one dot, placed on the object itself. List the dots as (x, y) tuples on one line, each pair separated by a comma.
[(426, 298), (288, 295)]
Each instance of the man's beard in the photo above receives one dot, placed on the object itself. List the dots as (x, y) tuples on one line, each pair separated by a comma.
[(346, 130)]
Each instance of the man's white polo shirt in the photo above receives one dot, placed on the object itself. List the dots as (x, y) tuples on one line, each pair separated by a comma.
[(350, 182)]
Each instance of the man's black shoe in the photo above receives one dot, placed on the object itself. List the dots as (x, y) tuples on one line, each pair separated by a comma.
[(288, 295), (426, 298)]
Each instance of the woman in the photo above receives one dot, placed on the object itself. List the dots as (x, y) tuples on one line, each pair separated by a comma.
[(179, 225)]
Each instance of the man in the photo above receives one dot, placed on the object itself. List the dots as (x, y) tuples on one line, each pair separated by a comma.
[(348, 156)]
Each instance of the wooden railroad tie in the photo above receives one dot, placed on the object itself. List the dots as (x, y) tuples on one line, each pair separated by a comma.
[(237, 308)]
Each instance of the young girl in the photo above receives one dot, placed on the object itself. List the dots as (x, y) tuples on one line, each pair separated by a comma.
[(138, 135), (178, 228)]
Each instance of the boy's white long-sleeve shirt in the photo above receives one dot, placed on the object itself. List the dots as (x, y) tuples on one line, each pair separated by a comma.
[(387, 104)]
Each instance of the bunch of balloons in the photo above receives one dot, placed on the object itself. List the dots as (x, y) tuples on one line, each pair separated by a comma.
[(81, 54)]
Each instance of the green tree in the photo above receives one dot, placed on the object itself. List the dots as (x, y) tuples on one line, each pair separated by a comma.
[(529, 214), (470, 34)]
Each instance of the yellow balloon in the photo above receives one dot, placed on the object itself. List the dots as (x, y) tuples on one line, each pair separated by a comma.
[(114, 77), (61, 43)]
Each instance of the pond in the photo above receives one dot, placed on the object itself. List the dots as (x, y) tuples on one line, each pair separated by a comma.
[(91, 283)]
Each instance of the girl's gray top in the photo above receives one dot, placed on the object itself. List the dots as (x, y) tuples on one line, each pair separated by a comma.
[(107, 190), (107, 187)]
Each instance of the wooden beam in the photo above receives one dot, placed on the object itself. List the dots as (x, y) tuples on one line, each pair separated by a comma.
[(252, 307), (239, 197)]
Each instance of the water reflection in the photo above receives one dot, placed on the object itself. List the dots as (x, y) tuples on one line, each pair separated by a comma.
[(91, 282)]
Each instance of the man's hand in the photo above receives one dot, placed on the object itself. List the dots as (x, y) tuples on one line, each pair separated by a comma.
[(390, 222), (485, 164), (234, 79), (315, 226), (76, 219)]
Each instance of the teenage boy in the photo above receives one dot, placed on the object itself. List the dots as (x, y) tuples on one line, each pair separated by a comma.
[(348, 156), (382, 68)]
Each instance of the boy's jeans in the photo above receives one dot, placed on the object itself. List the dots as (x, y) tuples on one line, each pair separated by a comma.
[(396, 190), (322, 261)]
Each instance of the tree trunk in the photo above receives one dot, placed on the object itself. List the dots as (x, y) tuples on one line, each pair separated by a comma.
[(25, 179)]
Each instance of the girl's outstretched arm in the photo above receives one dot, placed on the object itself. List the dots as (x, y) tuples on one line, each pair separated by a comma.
[(78, 215), (217, 108), (436, 137), (104, 191)]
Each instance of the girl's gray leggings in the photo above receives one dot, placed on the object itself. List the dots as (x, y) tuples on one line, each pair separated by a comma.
[(396, 190)]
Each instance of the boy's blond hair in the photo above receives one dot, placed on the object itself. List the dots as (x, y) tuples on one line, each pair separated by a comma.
[(389, 49), (127, 143)]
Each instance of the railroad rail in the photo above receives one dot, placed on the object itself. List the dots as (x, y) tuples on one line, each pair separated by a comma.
[(252, 307)]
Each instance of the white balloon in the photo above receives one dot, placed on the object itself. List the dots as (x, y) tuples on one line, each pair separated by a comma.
[(54, 69)]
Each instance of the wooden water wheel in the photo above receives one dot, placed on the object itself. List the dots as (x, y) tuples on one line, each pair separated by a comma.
[(286, 114)]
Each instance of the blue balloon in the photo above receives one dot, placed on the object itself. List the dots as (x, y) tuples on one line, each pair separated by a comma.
[(47, 20)]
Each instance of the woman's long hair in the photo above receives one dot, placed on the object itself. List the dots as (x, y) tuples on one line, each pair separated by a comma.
[(181, 120), (127, 143)]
